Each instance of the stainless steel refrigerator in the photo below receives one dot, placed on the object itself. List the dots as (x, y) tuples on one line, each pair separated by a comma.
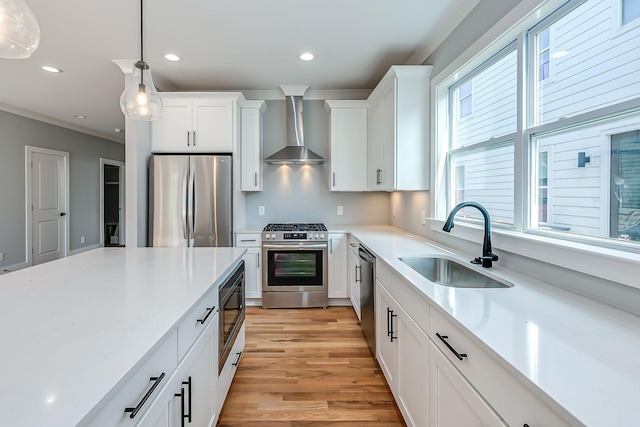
[(190, 200)]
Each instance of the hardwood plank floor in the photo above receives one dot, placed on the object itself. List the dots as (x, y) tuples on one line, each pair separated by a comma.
[(307, 368)]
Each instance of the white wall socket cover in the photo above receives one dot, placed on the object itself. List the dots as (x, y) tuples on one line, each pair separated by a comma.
[(340, 210), (81, 239), (423, 217), (1, 256), (260, 210)]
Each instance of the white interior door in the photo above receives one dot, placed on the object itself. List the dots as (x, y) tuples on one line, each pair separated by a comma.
[(48, 204)]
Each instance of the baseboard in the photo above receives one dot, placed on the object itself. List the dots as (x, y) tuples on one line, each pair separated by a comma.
[(83, 249), (14, 267)]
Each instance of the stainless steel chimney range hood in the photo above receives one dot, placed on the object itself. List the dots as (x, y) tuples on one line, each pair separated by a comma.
[(295, 152)]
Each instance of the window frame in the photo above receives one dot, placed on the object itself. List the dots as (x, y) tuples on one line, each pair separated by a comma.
[(604, 258)]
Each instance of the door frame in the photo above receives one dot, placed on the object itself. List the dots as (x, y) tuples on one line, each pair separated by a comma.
[(29, 150), (121, 196)]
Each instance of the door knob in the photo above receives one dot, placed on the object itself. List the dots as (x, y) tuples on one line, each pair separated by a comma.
[(63, 213)]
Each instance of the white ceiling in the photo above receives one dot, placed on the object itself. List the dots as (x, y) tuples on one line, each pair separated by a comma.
[(225, 45)]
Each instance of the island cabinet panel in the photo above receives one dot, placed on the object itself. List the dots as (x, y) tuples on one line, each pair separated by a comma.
[(195, 322), (144, 385), (229, 369)]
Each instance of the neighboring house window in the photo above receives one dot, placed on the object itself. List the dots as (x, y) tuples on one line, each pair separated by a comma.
[(630, 10), (586, 118), (543, 186), (625, 186), (460, 178), (543, 54), (465, 99)]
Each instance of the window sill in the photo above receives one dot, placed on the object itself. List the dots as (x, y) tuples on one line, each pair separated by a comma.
[(605, 263)]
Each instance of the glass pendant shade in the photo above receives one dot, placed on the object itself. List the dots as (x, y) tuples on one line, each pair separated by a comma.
[(140, 99), (19, 30)]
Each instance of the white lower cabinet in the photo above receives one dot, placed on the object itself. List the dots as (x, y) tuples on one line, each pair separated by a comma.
[(229, 369), (338, 287), (252, 263), (194, 398), (354, 276), (453, 400), (403, 351)]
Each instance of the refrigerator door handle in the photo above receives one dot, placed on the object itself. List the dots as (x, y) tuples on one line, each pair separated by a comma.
[(185, 205), (191, 206)]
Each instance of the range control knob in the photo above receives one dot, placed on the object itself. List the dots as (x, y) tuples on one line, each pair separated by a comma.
[(321, 236), (273, 236)]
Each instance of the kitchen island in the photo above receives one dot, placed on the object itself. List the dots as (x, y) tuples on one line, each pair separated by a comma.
[(73, 329)]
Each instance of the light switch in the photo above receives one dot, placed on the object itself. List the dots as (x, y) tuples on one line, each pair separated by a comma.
[(423, 217), (260, 210), (1, 256), (81, 239), (340, 210)]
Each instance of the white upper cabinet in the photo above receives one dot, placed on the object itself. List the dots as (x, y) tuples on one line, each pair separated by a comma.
[(398, 139), (196, 122), (251, 145), (348, 145)]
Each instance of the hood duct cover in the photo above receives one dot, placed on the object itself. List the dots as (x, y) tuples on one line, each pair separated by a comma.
[(295, 152)]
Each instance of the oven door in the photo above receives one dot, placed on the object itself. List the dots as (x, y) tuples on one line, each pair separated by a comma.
[(294, 267)]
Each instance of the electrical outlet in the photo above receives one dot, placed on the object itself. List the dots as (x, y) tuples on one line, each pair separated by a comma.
[(1, 256), (423, 217), (260, 210), (340, 210), (393, 211), (81, 239)]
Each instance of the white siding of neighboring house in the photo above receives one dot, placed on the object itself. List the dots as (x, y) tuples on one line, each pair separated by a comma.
[(602, 68)]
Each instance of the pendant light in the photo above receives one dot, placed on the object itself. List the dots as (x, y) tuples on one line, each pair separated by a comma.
[(19, 30), (140, 99)]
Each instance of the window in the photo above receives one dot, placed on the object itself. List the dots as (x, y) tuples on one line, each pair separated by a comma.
[(563, 157), (543, 54), (465, 99), (630, 10)]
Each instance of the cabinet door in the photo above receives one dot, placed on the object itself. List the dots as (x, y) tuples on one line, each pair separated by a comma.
[(251, 149), (253, 273), (338, 266), (354, 279), (388, 142), (386, 336), (348, 148), (453, 401), (197, 374), (172, 133), (212, 125), (374, 148), (413, 371)]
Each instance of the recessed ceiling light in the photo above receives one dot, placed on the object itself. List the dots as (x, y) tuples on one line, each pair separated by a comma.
[(172, 57), (306, 56), (80, 116), (51, 69)]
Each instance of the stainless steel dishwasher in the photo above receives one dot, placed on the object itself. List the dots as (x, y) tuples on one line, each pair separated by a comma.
[(367, 292)]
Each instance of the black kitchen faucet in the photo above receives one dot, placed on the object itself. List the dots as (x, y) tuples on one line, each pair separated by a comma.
[(487, 257)]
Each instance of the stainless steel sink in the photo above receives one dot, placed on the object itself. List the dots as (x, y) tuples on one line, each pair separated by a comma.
[(447, 272)]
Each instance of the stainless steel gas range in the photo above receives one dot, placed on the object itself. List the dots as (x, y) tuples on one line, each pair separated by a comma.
[(294, 266)]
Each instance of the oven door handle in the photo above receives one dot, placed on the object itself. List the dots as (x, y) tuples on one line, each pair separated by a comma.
[(297, 247)]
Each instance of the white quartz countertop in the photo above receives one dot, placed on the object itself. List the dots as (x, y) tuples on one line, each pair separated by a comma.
[(582, 356), (72, 328)]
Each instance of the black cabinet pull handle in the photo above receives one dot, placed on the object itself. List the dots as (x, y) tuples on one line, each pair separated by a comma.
[(388, 321), (206, 316), (443, 338), (237, 359), (181, 396), (392, 316), (134, 411)]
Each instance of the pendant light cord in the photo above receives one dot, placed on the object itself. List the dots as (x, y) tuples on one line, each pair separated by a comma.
[(142, 44)]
